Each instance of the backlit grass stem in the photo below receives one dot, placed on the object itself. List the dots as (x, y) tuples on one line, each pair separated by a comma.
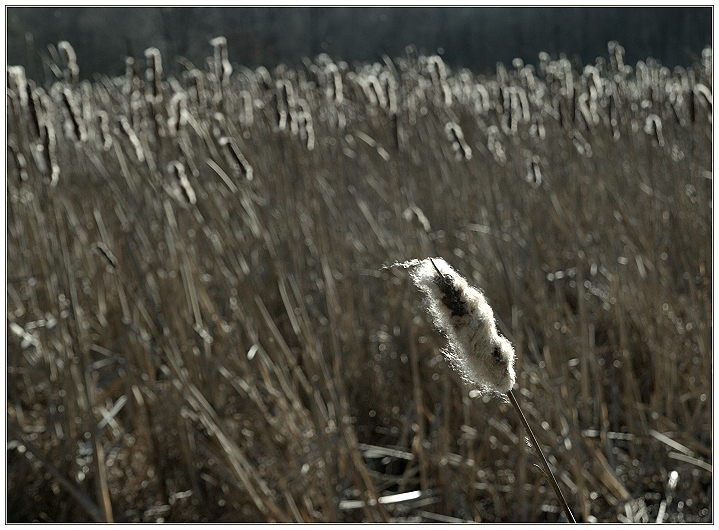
[(547, 472)]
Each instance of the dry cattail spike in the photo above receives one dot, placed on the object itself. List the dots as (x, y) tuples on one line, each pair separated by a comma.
[(103, 126), (198, 81), (178, 117), (706, 93), (19, 158), (594, 80), (415, 211), (475, 348), (544, 62), (366, 87), (181, 184), (653, 127), (306, 129), (481, 99), (265, 79), (72, 70), (392, 93), (676, 101), (616, 56), (77, 124), (456, 137), (284, 101), (517, 109), (495, 145), (537, 129), (246, 114), (438, 73), (534, 172), (337, 83), (294, 120), (223, 68), (582, 146), (17, 82), (49, 151), (132, 79), (508, 121), (528, 81), (373, 84), (235, 157), (35, 108), (134, 140), (154, 73), (584, 112)]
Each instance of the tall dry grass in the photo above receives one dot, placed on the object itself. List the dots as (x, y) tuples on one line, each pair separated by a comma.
[(243, 356)]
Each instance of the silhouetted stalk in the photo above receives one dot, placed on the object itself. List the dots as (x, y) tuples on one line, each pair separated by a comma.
[(547, 472)]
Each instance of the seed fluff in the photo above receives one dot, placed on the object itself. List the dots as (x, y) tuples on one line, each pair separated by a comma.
[(475, 349)]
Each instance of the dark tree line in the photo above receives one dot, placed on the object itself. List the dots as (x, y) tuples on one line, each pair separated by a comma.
[(476, 38)]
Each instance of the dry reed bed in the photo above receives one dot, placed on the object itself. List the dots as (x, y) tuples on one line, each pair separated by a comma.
[(200, 329)]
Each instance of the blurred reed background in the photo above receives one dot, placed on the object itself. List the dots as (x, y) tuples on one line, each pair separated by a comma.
[(200, 328)]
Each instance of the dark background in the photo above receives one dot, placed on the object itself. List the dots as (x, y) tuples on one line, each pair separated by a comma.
[(472, 37)]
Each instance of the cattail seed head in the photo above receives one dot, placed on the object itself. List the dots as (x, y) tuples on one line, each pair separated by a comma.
[(17, 82), (706, 95), (456, 137), (534, 172), (307, 131), (72, 70), (481, 99), (48, 150), (264, 79), (19, 158), (154, 73), (181, 184), (495, 145), (103, 126), (246, 114), (178, 117), (653, 127), (236, 159), (223, 68), (474, 349), (132, 136), (76, 125), (390, 83), (35, 108), (337, 80)]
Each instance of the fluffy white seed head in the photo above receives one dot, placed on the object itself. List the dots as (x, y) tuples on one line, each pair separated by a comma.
[(474, 347)]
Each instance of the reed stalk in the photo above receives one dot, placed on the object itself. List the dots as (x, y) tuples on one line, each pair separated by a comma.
[(547, 472)]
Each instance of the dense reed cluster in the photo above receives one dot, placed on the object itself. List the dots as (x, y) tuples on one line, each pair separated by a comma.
[(200, 327)]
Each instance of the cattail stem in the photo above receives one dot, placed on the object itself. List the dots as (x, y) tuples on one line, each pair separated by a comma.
[(547, 472)]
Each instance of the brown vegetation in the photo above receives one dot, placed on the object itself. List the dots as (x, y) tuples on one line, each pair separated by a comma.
[(200, 328)]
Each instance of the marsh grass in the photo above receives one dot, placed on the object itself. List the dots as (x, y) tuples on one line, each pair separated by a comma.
[(243, 358)]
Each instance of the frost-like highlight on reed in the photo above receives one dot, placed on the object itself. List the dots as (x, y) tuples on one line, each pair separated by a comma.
[(475, 349)]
